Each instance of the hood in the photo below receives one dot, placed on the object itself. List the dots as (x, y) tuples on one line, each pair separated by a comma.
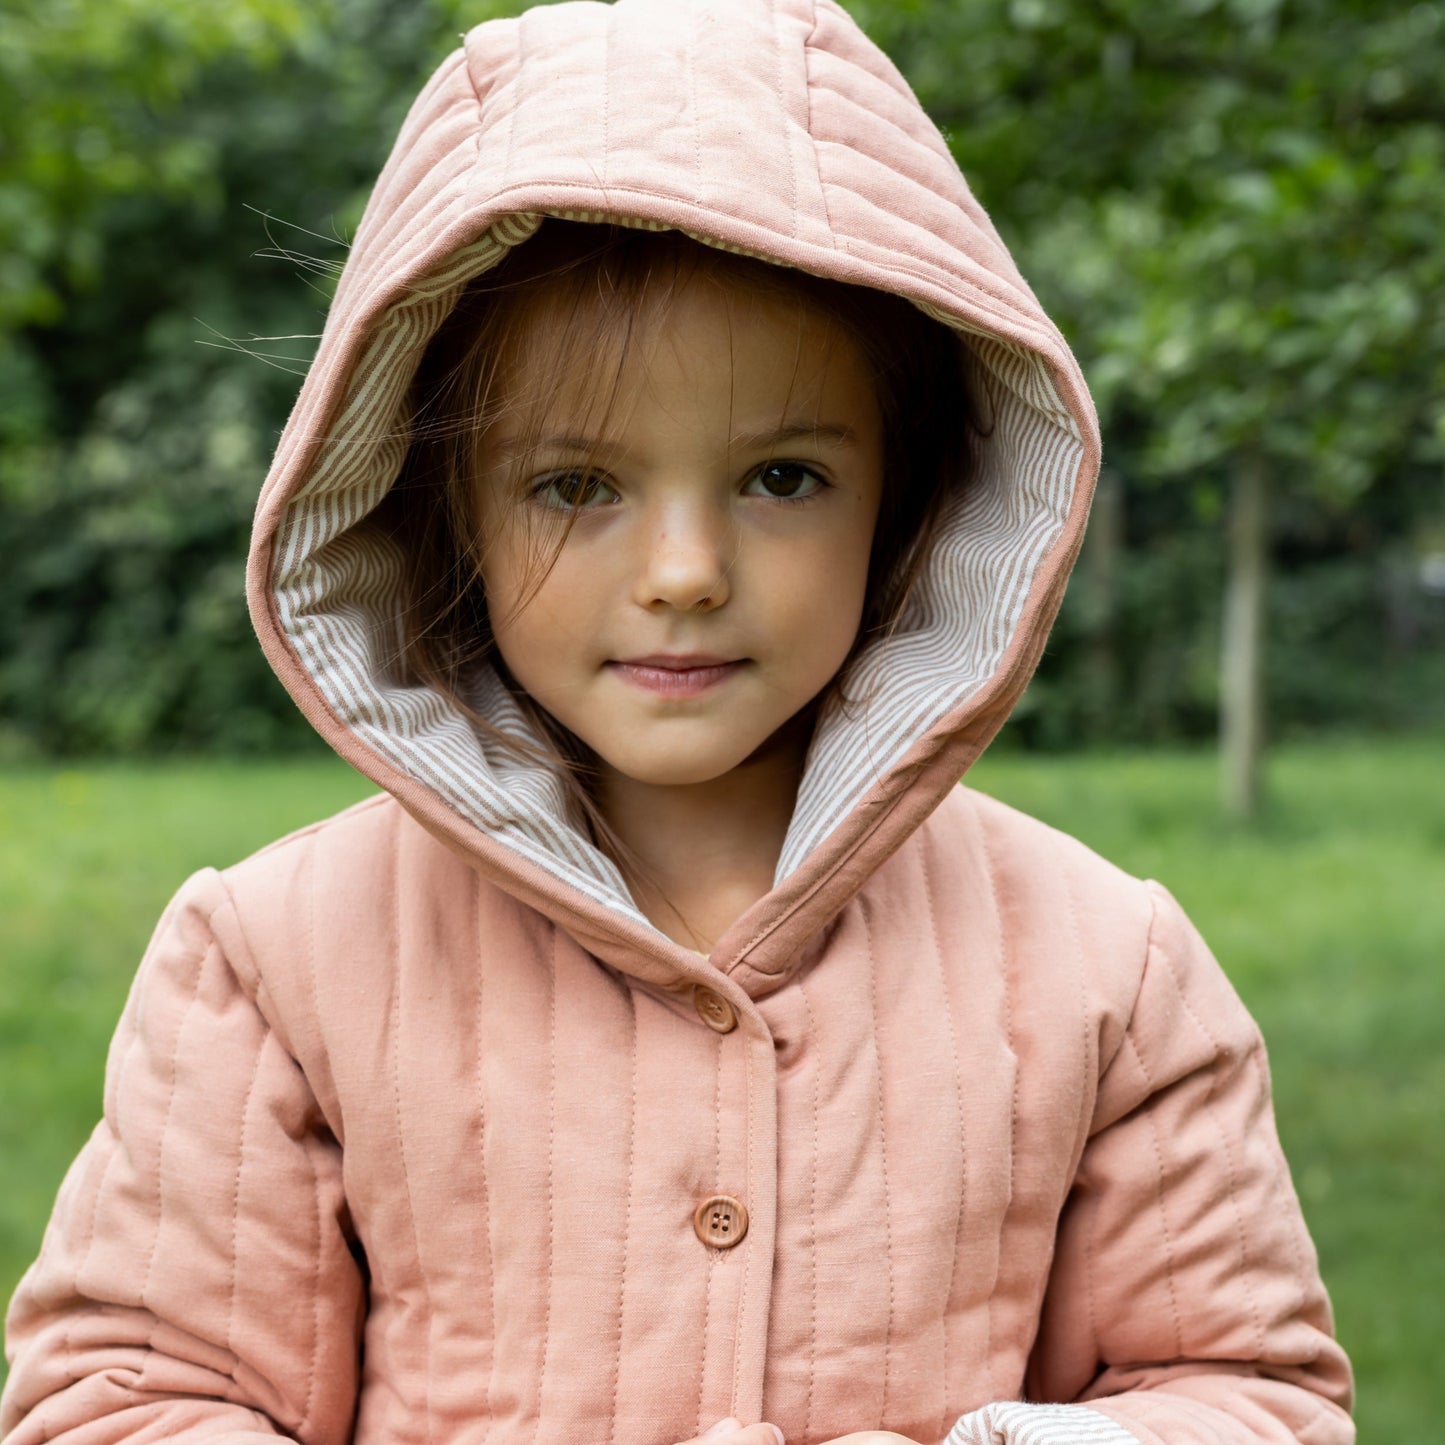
[(773, 128)]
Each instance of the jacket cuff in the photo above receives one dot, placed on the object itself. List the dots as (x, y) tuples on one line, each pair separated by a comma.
[(1015, 1423)]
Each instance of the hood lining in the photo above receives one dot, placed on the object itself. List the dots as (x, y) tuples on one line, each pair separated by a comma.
[(335, 578)]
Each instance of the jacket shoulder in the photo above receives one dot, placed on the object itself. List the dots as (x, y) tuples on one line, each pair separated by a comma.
[(339, 865), (335, 895), (1064, 921), (360, 827), (1026, 854)]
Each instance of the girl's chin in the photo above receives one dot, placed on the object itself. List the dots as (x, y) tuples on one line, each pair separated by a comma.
[(652, 759), (660, 768), (679, 776)]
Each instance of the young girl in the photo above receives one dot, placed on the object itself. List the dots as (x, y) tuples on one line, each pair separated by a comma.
[(677, 505)]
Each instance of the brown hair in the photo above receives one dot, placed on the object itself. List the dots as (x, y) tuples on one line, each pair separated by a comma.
[(588, 291)]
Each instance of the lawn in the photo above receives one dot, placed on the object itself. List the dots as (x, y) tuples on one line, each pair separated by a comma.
[(1330, 917)]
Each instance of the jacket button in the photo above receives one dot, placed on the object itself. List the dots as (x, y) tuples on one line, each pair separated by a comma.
[(714, 1010), (721, 1221)]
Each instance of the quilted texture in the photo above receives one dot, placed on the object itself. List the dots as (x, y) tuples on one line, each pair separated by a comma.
[(408, 1115), (1003, 1135)]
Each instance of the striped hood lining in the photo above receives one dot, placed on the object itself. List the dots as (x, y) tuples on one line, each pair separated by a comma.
[(769, 128), (336, 581)]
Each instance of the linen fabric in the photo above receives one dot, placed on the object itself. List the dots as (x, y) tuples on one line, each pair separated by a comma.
[(408, 1115)]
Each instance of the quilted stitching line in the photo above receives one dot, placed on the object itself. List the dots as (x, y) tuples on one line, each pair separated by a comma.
[(1300, 1244), (241, 1134), (191, 1004), (1090, 1229), (717, 1172), (313, 991), (485, 1200), (132, 1043), (900, 92), (305, 871), (551, 1179), (1085, 1106), (115, 1088), (899, 137), (305, 868), (515, 108), (633, 1050), (986, 300), (393, 907), (1006, 972), (955, 1064), (750, 1138), (313, 1372), (1044, 339), (812, 138), (811, 1034), (779, 89), (606, 82), (1225, 1145), (696, 15), (882, 1152), (1153, 1131)]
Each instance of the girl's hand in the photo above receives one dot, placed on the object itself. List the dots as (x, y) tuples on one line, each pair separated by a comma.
[(730, 1432), (873, 1437), (733, 1432)]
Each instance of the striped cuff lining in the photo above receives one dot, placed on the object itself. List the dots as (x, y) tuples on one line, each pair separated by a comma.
[(1015, 1423)]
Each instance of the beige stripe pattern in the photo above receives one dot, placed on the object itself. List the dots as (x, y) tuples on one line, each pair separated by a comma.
[(335, 581), (1015, 1423)]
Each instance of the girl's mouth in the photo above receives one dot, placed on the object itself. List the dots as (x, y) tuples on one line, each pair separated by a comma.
[(680, 676)]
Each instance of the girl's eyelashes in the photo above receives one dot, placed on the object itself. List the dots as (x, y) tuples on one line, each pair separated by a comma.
[(572, 491), (578, 490), (784, 481)]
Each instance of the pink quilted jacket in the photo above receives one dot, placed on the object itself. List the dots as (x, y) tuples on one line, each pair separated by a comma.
[(417, 1131)]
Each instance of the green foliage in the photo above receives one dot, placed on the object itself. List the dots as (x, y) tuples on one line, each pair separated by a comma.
[(171, 218), (1352, 639), (81, 83), (127, 622), (1233, 208)]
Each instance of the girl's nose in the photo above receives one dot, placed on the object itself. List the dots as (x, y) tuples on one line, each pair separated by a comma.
[(686, 563)]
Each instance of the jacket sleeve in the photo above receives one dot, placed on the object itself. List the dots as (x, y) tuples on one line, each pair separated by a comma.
[(1184, 1304), (197, 1278)]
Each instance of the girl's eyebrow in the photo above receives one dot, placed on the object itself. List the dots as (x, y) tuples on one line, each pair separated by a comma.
[(834, 432), (555, 442)]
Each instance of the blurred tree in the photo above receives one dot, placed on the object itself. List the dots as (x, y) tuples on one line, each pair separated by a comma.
[(1233, 206), (78, 79), (1236, 208), (150, 150)]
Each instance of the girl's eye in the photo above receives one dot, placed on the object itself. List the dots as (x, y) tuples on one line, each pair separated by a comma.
[(572, 491), (784, 482)]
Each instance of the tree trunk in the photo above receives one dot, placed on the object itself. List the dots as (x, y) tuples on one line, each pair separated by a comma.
[(1242, 643)]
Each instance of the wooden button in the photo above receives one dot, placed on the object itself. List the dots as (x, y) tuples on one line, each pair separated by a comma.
[(721, 1221), (714, 1010)]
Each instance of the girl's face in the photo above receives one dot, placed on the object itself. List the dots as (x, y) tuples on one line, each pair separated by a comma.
[(717, 509)]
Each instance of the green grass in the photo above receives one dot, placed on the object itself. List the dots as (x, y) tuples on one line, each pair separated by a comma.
[(1330, 917)]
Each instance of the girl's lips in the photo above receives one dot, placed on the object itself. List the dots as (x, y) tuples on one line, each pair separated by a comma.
[(676, 677)]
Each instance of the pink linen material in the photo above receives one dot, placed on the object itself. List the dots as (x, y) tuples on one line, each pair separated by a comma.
[(408, 1115), (354, 1035)]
